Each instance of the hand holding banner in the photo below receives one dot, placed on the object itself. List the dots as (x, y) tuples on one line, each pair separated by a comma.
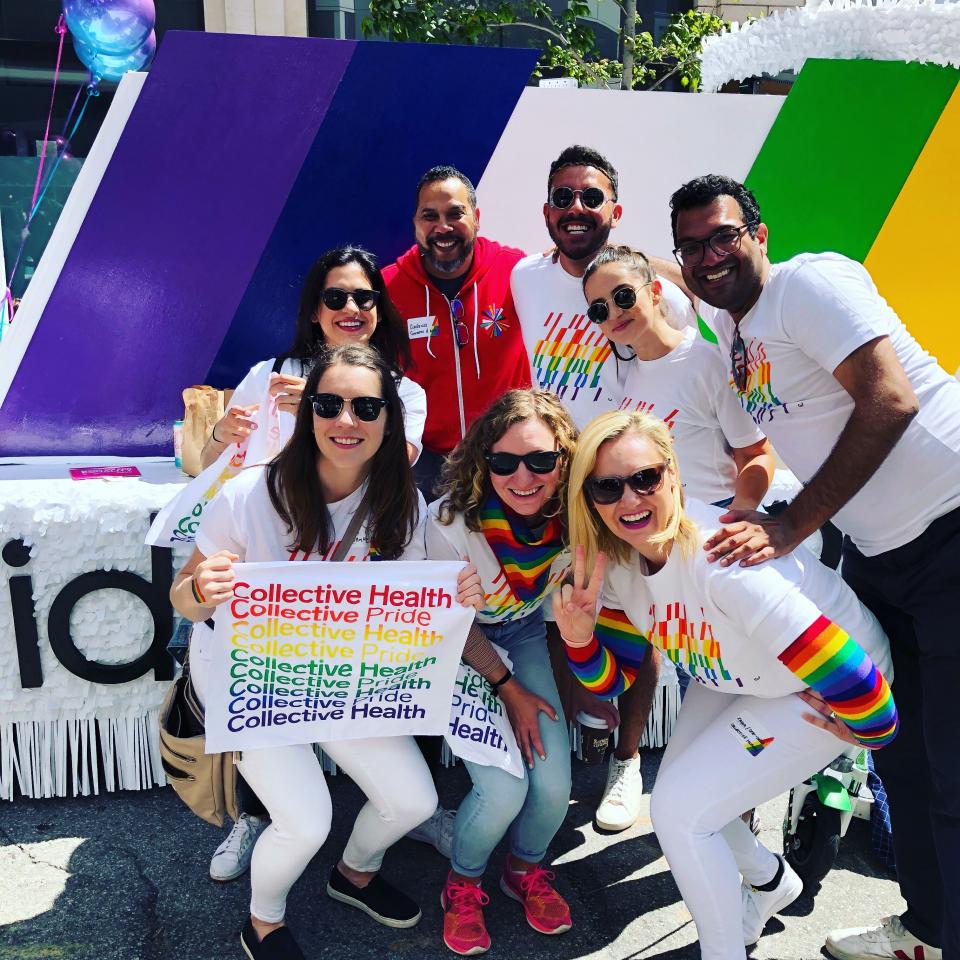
[(319, 651)]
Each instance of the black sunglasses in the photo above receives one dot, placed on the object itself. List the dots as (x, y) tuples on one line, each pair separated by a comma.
[(540, 461), (336, 299), (593, 198), (329, 405), (607, 490), (727, 240), (738, 361), (624, 297)]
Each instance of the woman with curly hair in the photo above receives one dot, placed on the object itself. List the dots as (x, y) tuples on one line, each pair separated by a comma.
[(502, 506)]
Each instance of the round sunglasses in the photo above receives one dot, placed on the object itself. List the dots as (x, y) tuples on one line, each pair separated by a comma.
[(539, 461), (593, 198), (336, 299), (624, 297), (328, 405), (607, 490)]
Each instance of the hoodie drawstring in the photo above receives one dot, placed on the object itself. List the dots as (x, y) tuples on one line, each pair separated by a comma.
[(476, 317), (426, 313)]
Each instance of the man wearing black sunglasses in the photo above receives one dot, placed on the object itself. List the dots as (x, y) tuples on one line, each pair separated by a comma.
[(452, 288), (870, 423)]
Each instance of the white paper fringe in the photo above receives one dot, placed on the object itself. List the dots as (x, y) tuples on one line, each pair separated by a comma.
[(61, 758), (911, 30)]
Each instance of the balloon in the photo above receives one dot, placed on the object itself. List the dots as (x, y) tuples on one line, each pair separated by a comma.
[(112, 27), (106, 66)]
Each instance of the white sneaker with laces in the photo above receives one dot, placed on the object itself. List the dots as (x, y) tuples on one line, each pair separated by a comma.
[(889, 941), (437, 831), (619, 806), (760, 905), (232, 857)]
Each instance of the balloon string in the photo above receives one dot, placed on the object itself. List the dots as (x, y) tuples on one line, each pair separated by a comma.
[(6, 305), (62, 30)]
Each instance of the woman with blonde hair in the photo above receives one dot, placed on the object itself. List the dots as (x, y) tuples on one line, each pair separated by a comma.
[(503, 506), (763, 646)]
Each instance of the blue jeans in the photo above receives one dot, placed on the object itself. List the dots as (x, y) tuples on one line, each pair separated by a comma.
[(531, 809)]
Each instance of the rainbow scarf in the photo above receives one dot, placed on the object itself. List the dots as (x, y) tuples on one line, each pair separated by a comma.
[(826, 658), (525, 561)]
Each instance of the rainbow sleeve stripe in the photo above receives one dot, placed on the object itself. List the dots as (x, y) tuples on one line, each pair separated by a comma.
[(608, 665), (829, 660)]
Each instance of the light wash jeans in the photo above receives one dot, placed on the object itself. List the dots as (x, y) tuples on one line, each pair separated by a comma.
[(531, 809)]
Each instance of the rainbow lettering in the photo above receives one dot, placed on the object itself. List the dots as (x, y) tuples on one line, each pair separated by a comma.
[(570, 356)]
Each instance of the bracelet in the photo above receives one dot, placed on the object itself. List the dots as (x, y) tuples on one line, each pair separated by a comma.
[(495, 685), (213, 435), (197, 595), (575, 646)]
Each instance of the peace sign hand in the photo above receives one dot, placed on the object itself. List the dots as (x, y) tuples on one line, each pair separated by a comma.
[(575, 603)]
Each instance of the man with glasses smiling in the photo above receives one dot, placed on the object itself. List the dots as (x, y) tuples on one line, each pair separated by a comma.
[(870, 423), (571, 358)]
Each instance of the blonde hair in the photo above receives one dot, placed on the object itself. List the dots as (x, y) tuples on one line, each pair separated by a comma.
[(585, 524), (465, 480)]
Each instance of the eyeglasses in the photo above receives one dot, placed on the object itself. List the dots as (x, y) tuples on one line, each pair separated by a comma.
[(738, 361), (336, 299), (727, 240), (460, 328), (624, 297), (329, 405), (504, 464), (593, 198), (607, 490)]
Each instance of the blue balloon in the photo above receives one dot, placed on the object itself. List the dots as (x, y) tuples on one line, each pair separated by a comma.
[(112, 27), (107, 66)]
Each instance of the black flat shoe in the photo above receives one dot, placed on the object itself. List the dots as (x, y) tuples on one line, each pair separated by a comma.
[(276, 945), (378, 899)]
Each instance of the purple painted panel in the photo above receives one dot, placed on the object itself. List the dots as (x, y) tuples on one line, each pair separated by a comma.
[(178, 224)]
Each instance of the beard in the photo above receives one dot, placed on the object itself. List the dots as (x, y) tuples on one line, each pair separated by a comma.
[(583, 247), (462, 252)]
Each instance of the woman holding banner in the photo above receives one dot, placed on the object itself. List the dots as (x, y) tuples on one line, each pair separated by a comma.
[(304, 505), (343, 301), (502, 506), (780, 682)]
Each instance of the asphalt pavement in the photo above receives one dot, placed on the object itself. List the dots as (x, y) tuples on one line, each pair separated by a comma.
[(123, 876)]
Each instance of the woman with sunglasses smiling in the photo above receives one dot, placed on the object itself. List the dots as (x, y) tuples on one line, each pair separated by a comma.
[(681, 378), (343, 301), (788, 666), (502, 506), (299, 507)]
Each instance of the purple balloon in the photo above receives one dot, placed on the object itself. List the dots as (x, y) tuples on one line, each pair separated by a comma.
[(107, 66), (113, 27)]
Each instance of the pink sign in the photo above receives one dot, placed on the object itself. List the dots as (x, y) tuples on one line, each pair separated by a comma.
[(98, 473)]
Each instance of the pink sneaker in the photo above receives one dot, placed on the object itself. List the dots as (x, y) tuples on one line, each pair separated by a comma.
[(546, 911), (464, 931)]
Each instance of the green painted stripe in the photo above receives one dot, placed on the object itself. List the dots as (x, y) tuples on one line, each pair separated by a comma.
[(841, 149)]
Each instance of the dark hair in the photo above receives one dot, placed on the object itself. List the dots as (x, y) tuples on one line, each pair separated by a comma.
[(294, 486), (702, 191), (445, 172), (633, 259), (465, 478), (579, 156), (390, 338)]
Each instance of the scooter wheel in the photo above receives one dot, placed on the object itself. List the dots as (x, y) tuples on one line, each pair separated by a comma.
[(812, 850)]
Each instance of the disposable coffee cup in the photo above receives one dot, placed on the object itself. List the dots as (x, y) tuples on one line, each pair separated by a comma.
[(594, 737)]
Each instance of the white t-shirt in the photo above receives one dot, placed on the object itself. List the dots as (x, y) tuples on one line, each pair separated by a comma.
[(687, 389), (569, 355), (456, 542), (813, 312), (726, 625), (251, 388)]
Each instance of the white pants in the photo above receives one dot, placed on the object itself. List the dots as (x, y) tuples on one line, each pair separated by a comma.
[(707, 779), (392, 773)]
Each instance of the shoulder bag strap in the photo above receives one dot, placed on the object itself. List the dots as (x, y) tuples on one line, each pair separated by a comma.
[(356, 521)]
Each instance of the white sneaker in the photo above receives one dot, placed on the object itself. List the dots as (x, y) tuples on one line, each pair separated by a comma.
[(232, 857), (620, 804), (437, 831), (887, 941), (760, 905)]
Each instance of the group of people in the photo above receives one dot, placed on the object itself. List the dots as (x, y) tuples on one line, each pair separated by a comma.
[(558, 423)]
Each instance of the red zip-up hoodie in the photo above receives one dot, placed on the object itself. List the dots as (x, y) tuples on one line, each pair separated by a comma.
[(461, 382)]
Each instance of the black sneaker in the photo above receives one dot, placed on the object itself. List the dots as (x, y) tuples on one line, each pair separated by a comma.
[(386, 904), (276, 945)]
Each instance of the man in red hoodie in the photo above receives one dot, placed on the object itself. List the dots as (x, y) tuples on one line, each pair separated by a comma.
[(452, 289)]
